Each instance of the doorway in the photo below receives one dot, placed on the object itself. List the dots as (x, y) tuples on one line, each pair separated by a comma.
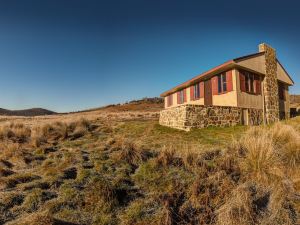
[(207, 93), (245, 118)]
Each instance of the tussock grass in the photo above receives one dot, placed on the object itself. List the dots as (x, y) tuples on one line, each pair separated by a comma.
[(36, 198), (130, 152), (137, 172), (166, 157), (269, 161), (260, 161), (16, 132), (15, 179)]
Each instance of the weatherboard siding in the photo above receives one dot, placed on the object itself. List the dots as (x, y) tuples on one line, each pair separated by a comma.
[(247, 100)]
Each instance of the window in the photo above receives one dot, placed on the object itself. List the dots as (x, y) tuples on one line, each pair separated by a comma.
[(180, 97), (247, 85), (249, 79), (250, 82), (197, 91), (222, 83)]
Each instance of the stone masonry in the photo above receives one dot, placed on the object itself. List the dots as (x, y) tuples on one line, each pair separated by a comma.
[(270, 85), (185, 117), (288, 102), (255, 116)]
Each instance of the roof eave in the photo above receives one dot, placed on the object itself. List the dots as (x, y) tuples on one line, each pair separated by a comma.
[(227, 65), (286, 72)]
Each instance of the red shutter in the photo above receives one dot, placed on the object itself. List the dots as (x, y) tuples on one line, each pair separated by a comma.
[(229, 80), (170, 100), (192, 93), (201, 89), (257, 85), (242, 81), (214, 84), (178, 97), (184, 95)]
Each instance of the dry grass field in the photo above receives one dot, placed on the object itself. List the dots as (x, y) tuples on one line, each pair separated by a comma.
[(118, 166)]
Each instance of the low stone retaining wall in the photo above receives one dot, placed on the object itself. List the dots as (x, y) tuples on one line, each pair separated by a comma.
[(174, 117), (185, 117)]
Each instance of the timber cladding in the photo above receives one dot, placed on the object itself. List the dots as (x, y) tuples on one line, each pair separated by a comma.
[(295, 99)]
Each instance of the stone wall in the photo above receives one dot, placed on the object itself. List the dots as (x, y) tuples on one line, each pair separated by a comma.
[(206, 116), (288, 109), (270, 84), (174, 117), (186, 117), (255, 116)]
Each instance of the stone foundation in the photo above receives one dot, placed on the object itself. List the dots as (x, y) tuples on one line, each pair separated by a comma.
[(185, 117), (255, 116)]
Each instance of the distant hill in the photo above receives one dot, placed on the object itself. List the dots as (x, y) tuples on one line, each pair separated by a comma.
[(26, 112), (145, 104)]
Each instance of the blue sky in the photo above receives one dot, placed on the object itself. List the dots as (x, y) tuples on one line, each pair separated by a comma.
[(68, 55)]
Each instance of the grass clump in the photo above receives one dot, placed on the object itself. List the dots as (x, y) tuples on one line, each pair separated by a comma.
[(36, 198), (15, 179), (260, 161), (131, 154), (141, 212), (269, 163), (16, 132)]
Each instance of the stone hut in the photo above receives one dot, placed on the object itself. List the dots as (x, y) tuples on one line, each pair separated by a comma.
[(248, 90)]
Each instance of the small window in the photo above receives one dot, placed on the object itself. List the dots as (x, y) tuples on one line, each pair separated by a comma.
[(197, 91), (222, 83), (251, 83)]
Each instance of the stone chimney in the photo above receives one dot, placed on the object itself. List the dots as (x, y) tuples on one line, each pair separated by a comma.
[(270, 84)]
